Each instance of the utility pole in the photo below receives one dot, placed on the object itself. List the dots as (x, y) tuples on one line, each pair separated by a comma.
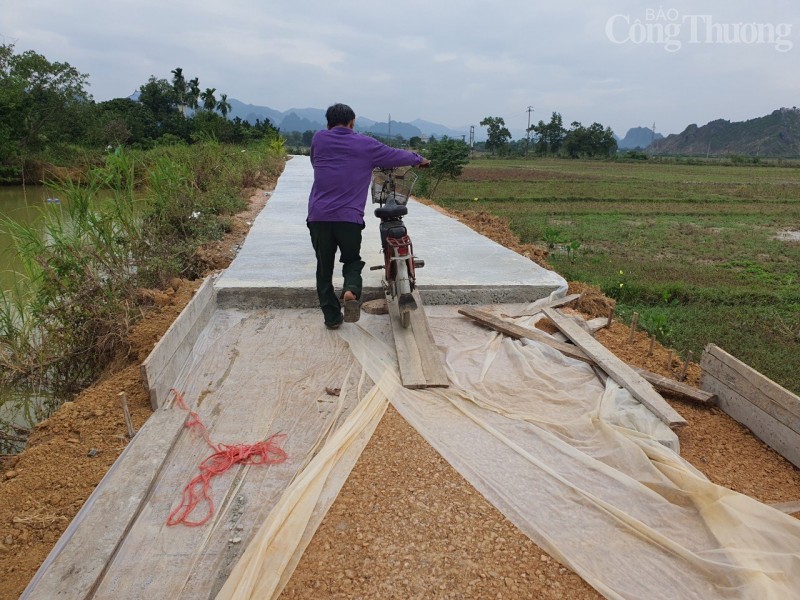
[(528, 131), (471, 138), (389, 134)]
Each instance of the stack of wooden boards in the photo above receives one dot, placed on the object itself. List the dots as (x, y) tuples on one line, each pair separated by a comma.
[(771, 412), (419, 360)]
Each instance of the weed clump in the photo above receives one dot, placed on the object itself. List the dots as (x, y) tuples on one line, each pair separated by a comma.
[(133, 223)]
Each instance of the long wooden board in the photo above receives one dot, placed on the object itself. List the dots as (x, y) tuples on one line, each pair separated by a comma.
[(551, 304), (518, 331), (165, 361), (618, 370), (761, 391), (80, 558), (418, 357), (770, 411), (665, 384)]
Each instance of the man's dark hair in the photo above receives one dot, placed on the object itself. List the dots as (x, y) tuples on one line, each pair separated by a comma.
[(339, 114)]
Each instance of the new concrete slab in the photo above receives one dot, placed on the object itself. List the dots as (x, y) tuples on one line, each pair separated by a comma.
[(276, 265)]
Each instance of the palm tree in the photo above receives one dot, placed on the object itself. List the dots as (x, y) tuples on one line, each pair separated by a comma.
[(209, 101), (194, 93), (180, 88), (223, 105)]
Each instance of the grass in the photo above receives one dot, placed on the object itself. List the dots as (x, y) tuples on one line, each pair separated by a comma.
[(69, 314), (692, 248)]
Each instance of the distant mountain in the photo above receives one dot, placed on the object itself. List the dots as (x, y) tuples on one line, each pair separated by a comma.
[(440, 130), (404, 130), (313, 119), (294, 122), (638, 137), (251, 112), (776, 134)]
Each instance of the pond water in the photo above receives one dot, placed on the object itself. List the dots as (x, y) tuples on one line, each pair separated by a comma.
[(25, 206), (20, 407), (789, 236)]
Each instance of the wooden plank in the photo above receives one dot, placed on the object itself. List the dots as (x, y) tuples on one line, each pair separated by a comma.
[(431, 357), (165, 361), (551, 304), (79, 560), (408, 355), (665, 384), (618, 370), (755, 401), (765, 427), (767, 395), (597, 324), (518, 332)]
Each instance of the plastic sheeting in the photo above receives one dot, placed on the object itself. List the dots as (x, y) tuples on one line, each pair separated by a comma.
[(580, 467), (266, 565)]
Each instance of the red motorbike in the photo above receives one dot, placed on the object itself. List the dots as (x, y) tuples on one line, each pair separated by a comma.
[(391, 189)]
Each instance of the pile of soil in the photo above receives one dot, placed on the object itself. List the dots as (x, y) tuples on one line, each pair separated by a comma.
[(497, 229), (405, 524)]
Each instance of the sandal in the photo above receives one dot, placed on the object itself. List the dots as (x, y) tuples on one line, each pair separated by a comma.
[(352, 311)]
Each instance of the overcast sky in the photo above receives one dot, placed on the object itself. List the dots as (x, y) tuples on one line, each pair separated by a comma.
[(454, 62)]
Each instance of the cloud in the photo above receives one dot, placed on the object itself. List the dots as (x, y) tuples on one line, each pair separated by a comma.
[(450, 61)]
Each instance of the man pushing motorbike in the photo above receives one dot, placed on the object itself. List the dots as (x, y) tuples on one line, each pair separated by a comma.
[(343, 161)]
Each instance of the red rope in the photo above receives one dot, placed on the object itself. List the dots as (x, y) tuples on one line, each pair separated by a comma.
[(198, 490)]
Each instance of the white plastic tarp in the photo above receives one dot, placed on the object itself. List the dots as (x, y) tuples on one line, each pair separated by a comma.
[(580, 467)]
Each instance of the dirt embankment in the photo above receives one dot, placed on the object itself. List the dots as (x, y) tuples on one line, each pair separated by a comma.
[(364, 546)]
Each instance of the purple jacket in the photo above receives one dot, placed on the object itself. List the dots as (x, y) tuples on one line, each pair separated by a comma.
[(343, 161)]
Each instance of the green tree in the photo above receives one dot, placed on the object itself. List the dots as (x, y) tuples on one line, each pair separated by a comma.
[(223, 105), (590, 142), (209, 100), (209, 125), (159, 97), (120, 115), (549, 136), (193, 95), (40, 102), (180, 87), (448, 158), (497, 133)]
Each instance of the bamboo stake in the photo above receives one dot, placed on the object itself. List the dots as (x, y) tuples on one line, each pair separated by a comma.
[(669, 360), (123, 400), (610, 317), (685, 366), (634, 322), (652, 345)]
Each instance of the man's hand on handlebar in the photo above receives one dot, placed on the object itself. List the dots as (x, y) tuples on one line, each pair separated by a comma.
[(424, 164)]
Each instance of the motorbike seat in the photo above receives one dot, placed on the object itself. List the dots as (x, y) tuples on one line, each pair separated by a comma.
[(391, 211)]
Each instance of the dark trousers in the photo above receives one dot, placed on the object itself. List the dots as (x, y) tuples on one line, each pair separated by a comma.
[(327, 237)]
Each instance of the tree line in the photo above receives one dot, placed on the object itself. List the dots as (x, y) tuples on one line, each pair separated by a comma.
[(46, 114), (551, 139)]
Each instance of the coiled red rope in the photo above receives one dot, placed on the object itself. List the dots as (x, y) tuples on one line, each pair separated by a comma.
[(266, 452)]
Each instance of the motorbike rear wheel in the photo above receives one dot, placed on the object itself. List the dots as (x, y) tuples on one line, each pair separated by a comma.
[(402, 285)]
